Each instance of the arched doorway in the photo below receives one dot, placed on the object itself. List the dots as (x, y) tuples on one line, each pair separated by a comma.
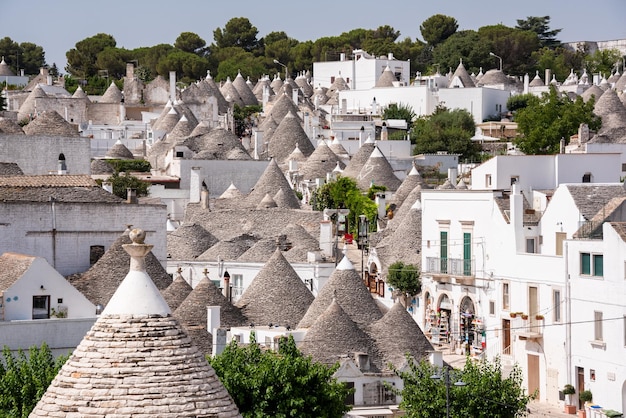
[(428, 310), (471, 329), (441, 320)]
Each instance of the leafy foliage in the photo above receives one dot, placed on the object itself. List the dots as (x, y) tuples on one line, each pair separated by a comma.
[(190, 42), (466, 45), (238, 32), (519, 101), (545, 121), (514, 46), (438, 28), (400, 111), (121, 184), (243, 118), (486, 393), (27, 56), (24, 379), (343, 193), (404, 278), (541, 26), (121, 166), (81, 60), (279, 384), (446, 130)]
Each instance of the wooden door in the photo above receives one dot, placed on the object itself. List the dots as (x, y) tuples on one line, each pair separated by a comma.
[(506, 337), (533, 375)]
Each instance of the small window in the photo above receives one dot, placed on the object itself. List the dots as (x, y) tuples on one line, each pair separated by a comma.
[(179, 154), (592, 264), (505, 296), (597, 326), (332, 79), (556, 302), (492, 307), (95, 252), (41, 307), (623, 166), (592, 375), (487, 180), (530, 245), (587, 178), (514, 180)]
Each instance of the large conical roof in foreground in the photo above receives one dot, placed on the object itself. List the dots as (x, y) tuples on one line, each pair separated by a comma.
[(136, 361)]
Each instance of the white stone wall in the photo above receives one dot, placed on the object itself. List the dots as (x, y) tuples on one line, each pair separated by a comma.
[(61, 335), (40, 155), (27, 228), (42, 280)]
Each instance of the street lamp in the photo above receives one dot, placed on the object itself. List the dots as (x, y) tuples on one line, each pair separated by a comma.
[(362, 243), (446, 377), (286, 69), (497, 56)]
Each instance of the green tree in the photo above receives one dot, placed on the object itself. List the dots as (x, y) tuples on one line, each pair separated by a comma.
[(266, 383), (438, 28), (188, 66), (343, 193), (81, 60), (486, 393), (514, 46), (519, 101), (603, 61), (405, 280), (466, 45), (545, 121), (541, 26), (400, 111), (122, 182), (24, 379), (32, 57), (243, 117), (446, 130), (190, 42), (559, 61), (237, 32), (112, 62)]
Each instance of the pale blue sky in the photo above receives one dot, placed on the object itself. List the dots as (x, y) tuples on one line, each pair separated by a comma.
[(58, 25)]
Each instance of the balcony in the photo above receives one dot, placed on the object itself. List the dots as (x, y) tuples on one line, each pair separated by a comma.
[(530, 329), (444, 270)]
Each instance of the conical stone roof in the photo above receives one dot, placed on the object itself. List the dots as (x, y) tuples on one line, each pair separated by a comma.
[(232, 192), (176, 293), (50, 123), (386, 79), (217, 144), (182, 129), (405, 207), (8, 126), (212, 89), (401, 244), (334, 335), (267, 202), (396, 334), (377, 170), (229, 250), (276, 83), (192, 311), (100, 282), (536, 81), (281, 106), (321, 162), (189, 241), (270, 182), (258, 89), (101, 167), (230, 93), (611, 110), (344, 285), (358, 160), (200, 129), (463, 76), (284, 139), (134, 347), (28, 109), (112, 94), (594, 91), (304, 85), (277, 295), (119, 152), (5, 70), (249, 99), (166, 122), (408, 184), (80, 94)]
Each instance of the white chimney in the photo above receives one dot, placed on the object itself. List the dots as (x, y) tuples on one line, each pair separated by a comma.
[(526, 83), (258, 141), (294, 96), (381, 203), (342, 56), (108, 186), (293, 165), (131, 196), (213, 318), (452, 175), (516, 216), (326, 237), (195, 185), (173, 86), (548, 75)]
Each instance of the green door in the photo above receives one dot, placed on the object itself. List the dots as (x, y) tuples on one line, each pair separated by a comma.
[(467, 254), (443, 251)]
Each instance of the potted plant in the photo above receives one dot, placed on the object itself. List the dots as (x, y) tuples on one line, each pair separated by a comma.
[(513, 314), (539, 317), (584, 396), (524, 316), (568, 391)]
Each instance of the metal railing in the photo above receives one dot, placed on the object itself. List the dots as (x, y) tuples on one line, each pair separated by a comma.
[(451, 266)]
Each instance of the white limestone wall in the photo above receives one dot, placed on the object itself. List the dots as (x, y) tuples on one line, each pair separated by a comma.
[(27, 228), (40, 155), (420, 98), (42, 280), (603, 294), (61, 335), (478, 101)]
